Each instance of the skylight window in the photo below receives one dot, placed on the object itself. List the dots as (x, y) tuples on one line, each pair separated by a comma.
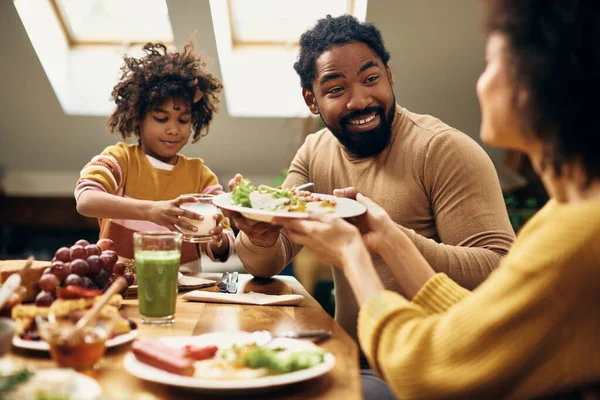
[(107, 22), (257, 42), (78, 39), (276, 22)]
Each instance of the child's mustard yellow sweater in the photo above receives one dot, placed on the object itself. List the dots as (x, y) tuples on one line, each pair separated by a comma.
[(125, 170), (531, 329)]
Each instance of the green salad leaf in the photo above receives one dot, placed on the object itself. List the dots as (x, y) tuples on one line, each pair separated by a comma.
[(241, 194), (277, 193), (7, 383), (276, 360)]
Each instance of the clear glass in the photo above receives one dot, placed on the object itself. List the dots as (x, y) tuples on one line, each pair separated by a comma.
[(80, 351), (157, 256), (205, 207)]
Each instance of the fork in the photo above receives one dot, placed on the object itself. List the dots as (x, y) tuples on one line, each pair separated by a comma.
[(229, 282), (261, 338)]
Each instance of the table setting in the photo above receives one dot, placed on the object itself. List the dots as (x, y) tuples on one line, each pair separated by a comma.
[(141, 327)]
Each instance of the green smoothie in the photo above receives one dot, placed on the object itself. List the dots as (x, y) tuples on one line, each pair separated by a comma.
[(157, 282)]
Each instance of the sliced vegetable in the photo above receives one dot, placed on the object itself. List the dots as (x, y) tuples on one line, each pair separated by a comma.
[(276, 360), (241, 194)]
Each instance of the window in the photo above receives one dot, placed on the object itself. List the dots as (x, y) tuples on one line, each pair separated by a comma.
[(113, 22), (257, 43), (81, 43), (273, 22)]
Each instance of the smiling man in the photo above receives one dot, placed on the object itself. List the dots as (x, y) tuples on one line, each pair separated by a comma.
[(434, 181)]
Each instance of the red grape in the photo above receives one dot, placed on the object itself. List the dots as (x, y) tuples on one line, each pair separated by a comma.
[(96, 264), (107, 261), (92, 250), (101, 278), (119, 268), (82, 242), (74, 279), (48, 282), (113, 254), (109, 282), (46, 271), (80, 267), (106, 244), (60, 269), (78, 252), (129, 278), (63, 254), (44, 299), (87, 282)]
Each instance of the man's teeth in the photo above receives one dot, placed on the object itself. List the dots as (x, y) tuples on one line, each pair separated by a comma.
[(362, 121)]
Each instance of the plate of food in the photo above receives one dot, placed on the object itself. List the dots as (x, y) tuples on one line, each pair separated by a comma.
[(57, 383), (27, 335), (263, 203), (226, 361)]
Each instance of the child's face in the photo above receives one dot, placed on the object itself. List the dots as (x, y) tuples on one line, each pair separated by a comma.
[(165, 129)]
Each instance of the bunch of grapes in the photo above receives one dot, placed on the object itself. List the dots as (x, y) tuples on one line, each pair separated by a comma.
[(90, 266)]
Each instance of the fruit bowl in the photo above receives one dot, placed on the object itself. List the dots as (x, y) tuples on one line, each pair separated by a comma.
[(89, 266)]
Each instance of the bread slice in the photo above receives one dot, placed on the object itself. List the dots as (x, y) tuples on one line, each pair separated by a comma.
[(30, 278)]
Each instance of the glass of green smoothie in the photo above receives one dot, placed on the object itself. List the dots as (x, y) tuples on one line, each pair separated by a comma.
[(157, 257)]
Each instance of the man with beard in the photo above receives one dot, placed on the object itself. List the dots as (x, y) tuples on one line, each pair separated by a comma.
[(434, 181)]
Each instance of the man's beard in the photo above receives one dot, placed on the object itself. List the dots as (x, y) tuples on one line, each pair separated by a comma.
[(368, 143)]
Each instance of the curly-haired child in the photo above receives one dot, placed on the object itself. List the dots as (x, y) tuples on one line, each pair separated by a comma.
[(163, 98)]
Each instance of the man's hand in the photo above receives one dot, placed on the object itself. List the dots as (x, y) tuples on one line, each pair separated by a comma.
[(167, 213), (259, 233), (348, 192)]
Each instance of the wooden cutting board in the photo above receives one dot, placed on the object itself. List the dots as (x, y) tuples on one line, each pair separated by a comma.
[(31, 278)]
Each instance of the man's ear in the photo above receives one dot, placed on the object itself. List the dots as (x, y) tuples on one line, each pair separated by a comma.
[(390, 75), (310, 100)]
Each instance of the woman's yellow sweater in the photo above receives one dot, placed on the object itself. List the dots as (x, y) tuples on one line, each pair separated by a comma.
[(531, 329)]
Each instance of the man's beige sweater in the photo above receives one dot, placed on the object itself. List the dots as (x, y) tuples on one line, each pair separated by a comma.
[(433, 180)]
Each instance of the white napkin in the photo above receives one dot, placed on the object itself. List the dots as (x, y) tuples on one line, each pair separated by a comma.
[(186, 282), (259, 299)]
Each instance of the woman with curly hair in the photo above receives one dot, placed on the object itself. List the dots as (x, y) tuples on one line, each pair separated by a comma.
[(164, 99), (532, 329)]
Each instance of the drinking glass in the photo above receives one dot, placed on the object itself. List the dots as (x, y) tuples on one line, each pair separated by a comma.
[(205, 207), (157, 256)]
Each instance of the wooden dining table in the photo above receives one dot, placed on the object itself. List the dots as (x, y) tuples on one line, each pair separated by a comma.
[(196, 318)]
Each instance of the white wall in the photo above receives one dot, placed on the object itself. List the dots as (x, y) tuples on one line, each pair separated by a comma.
[(437, 55)]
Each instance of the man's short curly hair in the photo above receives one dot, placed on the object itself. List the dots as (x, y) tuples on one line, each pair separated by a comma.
[(554, 54), (149, 80), (330, 32)]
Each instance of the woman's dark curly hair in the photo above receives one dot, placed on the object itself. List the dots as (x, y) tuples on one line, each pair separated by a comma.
[(554, 51), (149, 80), (330, 32)]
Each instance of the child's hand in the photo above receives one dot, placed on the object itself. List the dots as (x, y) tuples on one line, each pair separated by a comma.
[(167, 213), (217, 234)]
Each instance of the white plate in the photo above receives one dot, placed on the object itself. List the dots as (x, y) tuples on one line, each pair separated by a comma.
[(80, 387), (41, 345), (344, 208), (224, 340)]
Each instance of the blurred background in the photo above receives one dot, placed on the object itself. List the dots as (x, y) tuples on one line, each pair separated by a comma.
[(61, 59)]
